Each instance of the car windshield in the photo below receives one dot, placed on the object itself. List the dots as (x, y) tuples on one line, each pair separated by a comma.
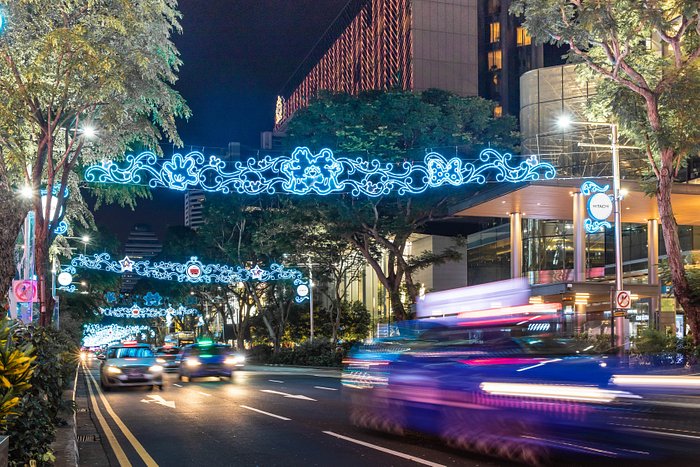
[(168, 351), (213, 350), (129, 352)]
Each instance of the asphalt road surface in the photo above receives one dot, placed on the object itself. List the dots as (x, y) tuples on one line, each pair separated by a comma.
[(273, 417), (265, 416)]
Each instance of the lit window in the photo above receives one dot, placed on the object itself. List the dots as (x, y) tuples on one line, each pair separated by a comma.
[(495, 60), (523, 37), (495, 79), (498, 111), (494, 32)]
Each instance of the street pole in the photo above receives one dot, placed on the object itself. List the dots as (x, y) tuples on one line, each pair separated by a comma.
[(311, 301), (620, 324)]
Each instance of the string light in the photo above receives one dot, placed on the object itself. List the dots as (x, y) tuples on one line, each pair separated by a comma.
[(97, 335), (136, 311), (304, 172)]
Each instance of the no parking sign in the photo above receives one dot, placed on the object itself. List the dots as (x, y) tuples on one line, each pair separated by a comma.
[(24, 290)]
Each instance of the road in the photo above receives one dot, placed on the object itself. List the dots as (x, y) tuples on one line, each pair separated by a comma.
[(274, 417)]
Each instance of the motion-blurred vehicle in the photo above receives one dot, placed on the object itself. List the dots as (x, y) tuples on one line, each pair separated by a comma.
[(501, 383), (129, 364), (167, 357), (206, 358)]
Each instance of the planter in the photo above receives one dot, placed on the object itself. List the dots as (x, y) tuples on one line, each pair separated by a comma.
[(4, 450)]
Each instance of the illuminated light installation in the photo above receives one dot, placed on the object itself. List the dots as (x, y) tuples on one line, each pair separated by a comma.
[(136, 311), (193, 271), (307, 173), (152, 299), (599, 206), (97, 335), (69, 287)]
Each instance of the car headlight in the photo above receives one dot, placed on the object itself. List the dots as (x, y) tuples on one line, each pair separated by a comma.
[(113, 370), (160, 360), (234, 360), (155, 369), (192, 362)]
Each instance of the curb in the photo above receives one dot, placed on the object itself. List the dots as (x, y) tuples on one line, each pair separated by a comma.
[(65, 446)]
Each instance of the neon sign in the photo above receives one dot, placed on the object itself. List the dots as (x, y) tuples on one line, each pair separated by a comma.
[(307, 173), (136, 311), (599, 206)]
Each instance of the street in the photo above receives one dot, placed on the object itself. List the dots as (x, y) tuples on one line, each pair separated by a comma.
[(273, 417)]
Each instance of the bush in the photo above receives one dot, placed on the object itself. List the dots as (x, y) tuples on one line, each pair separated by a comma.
[(15, 372), (32, 429), (320, 353)]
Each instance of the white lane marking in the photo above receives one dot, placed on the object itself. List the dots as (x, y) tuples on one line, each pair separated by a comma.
[(325, 388), (275, 381), (388, 451), (291, 396), (159, 400), (177, 385), (265, 413), (657, 432), (204, 393)]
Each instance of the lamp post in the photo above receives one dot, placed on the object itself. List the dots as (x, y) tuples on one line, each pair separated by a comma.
[(85, 239), (618, 329), (311, 301)]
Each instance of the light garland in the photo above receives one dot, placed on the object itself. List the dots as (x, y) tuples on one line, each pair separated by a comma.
[(307, 173), (98, 335), (136, 311)]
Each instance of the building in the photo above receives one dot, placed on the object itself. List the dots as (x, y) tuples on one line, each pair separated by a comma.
[(141, 244), (194, 198), (383, 44)]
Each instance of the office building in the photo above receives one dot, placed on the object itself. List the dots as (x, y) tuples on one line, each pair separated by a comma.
[(142, 244)]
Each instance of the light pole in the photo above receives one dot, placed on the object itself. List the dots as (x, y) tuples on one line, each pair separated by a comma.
[(311, 302), (619, 328), (85, 239)]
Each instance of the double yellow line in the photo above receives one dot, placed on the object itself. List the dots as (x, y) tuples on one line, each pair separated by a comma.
[(114, 444)]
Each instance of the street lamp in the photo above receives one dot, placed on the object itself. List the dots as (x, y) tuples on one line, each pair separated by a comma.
[(619, 337), (85, 239)]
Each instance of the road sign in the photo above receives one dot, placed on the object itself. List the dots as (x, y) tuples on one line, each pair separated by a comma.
[(619, 314), (24, 290), (623, 300)]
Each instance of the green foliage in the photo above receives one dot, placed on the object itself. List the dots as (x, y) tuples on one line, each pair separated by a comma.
[(15, 372), (32, 429), (395, 126), (692, 272), (318, 353)]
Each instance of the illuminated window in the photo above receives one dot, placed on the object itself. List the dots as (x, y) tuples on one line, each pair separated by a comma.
[(495, 60), (523, 37), (495, 79), (498, 111), (494, 32)]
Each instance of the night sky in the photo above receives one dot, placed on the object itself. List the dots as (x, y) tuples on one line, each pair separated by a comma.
[(237, 55)]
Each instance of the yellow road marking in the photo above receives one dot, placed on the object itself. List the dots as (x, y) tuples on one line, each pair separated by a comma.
[(147, 459), (114, 444)]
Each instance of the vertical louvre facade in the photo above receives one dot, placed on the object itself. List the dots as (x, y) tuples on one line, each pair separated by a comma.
[(373, 52)]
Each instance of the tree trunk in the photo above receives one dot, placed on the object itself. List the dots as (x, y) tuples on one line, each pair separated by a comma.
[(669, 227), (13, 214), (43, 275)]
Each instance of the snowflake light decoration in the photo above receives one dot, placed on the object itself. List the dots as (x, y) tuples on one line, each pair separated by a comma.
[(98, 335), (136, 311)]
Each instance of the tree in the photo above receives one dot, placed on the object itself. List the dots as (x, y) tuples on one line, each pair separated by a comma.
[(79, 82), (645, 56), (396, 126)]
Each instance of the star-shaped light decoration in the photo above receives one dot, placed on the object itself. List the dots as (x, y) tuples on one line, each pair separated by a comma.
[(127, 264), (256, 272)]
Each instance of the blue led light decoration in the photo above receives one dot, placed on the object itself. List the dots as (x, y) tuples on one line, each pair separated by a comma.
[(97, 335), (136, 311), (599, 206), (304, 172), (193, 271), (70, 288), (152, 299)]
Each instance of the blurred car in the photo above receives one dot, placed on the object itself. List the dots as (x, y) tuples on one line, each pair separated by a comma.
[(129, 364), (507, 386), (208, 359), (167, 357)]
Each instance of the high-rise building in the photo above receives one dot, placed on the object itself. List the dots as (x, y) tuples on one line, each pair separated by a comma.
[(384, 44), (141, 244), (194, 198)]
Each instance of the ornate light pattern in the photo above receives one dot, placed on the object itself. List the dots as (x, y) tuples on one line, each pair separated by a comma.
[(307, 173), (193, 271), (592, 224), (136, 311), (70, 288), (152, 299), (97, 335)]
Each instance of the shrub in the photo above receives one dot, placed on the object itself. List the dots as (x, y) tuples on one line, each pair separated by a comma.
[(15, 372), (32, 429)]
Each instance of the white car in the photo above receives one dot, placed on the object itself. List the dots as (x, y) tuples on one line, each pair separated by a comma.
[(130, 364)]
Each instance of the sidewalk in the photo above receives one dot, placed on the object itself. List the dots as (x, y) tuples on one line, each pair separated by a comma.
[(79, 442)]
